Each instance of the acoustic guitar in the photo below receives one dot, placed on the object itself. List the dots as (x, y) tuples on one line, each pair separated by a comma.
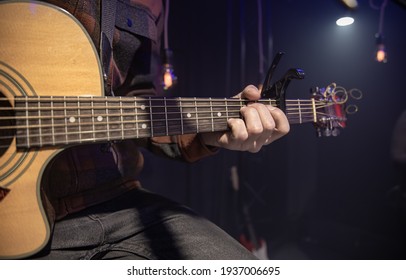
[(52, 96)]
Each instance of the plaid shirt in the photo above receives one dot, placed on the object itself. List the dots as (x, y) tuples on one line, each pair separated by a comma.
[(86, 175)]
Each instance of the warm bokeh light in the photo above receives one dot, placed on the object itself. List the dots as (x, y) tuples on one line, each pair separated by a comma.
[(169, 78), (168, 81), (381, 54)]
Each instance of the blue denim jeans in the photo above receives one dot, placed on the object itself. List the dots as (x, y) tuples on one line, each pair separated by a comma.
[(140, 225)]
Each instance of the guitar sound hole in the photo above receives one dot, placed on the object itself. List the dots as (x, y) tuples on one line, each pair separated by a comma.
[(7, 122)]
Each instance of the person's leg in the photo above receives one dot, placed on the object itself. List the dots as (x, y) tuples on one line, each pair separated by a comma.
[(141, 225)]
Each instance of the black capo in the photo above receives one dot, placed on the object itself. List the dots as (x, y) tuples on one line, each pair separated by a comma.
[(278, 89)]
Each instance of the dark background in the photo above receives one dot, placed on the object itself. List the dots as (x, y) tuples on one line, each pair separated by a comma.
[(309, 197)]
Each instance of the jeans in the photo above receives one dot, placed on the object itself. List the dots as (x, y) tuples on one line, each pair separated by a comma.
[(140, 225)]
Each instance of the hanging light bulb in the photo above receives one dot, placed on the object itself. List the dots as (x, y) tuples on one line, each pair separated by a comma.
[(168, 74), (169, 78), (380, 55)]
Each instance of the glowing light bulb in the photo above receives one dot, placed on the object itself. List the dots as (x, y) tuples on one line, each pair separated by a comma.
[(169, 78), (168, 81), (381, 54), (168, 75)]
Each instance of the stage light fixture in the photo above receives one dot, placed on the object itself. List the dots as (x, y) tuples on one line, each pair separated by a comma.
[(345, 21), (351, 4)]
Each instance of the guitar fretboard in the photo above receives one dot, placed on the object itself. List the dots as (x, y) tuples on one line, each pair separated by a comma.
[(43, 121)]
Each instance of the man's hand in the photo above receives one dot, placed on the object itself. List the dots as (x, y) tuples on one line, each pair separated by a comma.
[(260, 125)]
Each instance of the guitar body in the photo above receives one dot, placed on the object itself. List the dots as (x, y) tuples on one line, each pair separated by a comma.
[(44, 51)]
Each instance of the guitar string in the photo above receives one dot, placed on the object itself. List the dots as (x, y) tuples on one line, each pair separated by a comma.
[(291, 104), (299, 113), (135, 98), (298, 110), (303, 116), (291, 116), (234, 114), (129, 133), (212, 107), (295, 106), (146, 100), (158, 130)]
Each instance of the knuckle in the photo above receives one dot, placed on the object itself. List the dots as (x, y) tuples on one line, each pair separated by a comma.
[(269, 126), (255, 130), (284, 129), (240, 135)]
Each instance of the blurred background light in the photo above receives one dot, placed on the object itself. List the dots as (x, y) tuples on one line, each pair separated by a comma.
[(345, 21)]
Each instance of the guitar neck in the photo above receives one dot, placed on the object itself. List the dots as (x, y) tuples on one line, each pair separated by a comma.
[(53, 121)]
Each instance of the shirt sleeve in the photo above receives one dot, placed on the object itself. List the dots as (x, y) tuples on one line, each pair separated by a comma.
[(188, 147)]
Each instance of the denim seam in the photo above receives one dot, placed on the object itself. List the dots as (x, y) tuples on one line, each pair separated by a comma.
[(96, 219)]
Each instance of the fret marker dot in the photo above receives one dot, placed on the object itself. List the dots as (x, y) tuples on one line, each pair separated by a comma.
[(99, 118), (218, 114), (144, 125), (189, 115), (142, 107), (72, 119)]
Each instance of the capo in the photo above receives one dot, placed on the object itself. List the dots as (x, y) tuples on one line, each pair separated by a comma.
[(278, 89)]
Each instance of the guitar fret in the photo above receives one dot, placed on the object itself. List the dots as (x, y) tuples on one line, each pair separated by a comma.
[(181, 115), (52, 121), (27, 123), (166, 117), (150, 117), (226, 105), (211, 114), (136, 119), (39, 123), (121, 118), (197, 118), (79, 121), (93, 117), (107, 120), (66, 120), (300, 111)]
